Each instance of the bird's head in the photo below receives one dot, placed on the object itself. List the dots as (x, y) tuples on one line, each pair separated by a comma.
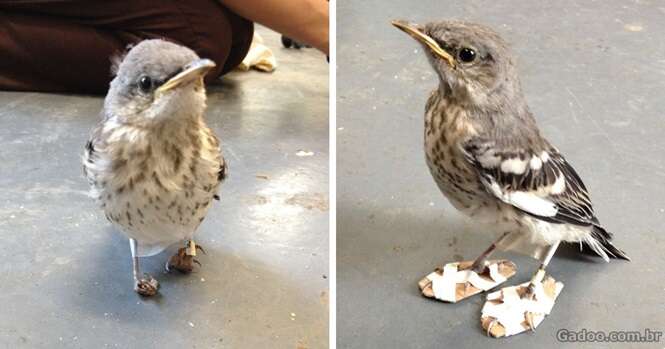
[(156, 81), (471, 60)]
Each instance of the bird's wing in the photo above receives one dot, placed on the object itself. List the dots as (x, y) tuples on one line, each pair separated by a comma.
[(540, 183), (221, 175), (90, 155), (223, 170)]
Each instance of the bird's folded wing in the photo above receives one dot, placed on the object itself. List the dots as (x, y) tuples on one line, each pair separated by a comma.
[(223, 170), (540, 183)]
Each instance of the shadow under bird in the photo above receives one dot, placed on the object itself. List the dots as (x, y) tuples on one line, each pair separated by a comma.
[(489, 158), (153, 164)]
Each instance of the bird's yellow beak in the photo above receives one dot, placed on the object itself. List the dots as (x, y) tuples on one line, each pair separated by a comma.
[(195, 70), (427, 40)]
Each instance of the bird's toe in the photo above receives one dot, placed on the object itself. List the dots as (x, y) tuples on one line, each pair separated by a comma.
[(146, 286)]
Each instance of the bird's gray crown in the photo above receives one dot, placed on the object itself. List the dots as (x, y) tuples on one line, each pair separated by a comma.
[(156, 58), (483, 72), (135, 93), (455, 35)]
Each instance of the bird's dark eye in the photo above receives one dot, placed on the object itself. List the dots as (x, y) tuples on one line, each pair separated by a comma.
[(145, 83), (467, 55)]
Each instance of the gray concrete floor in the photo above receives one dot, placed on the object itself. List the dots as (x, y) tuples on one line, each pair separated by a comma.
[(594, 74), (65, 279)]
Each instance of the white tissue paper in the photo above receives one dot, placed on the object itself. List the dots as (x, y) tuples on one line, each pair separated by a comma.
[(506, 313), (455, 281)]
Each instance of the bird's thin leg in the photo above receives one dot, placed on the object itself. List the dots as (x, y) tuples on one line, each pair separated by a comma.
[(479, 264), (191, 251), (135, 260), (540, 273), (191, 248), (146, 286), (537, 278)]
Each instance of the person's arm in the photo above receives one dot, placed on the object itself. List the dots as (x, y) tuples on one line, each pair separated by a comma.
[(303, 20)]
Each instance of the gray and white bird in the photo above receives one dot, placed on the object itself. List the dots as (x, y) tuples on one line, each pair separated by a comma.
[(153, 164), (487, 155)]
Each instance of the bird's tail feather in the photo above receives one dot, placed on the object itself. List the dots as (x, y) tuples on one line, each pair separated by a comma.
[(599, 242)]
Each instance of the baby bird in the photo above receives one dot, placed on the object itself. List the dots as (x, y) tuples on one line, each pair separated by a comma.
[(487, 155), (152, 163)]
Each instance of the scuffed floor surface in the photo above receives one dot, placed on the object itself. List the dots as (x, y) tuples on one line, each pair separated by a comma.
[(594, 75), (65, 276)]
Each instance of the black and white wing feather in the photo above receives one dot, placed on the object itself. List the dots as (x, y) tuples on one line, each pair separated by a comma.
[(540, 183)]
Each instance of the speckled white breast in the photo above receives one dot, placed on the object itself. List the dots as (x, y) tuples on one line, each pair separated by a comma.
[(445, 131), (153, 196)]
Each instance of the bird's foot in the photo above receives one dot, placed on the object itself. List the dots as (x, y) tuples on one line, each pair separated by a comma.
[(457, 281), (183, 261), (516, 309), (146, 286)]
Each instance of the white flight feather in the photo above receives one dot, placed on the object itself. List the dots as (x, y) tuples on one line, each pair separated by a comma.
[(527, 201)]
